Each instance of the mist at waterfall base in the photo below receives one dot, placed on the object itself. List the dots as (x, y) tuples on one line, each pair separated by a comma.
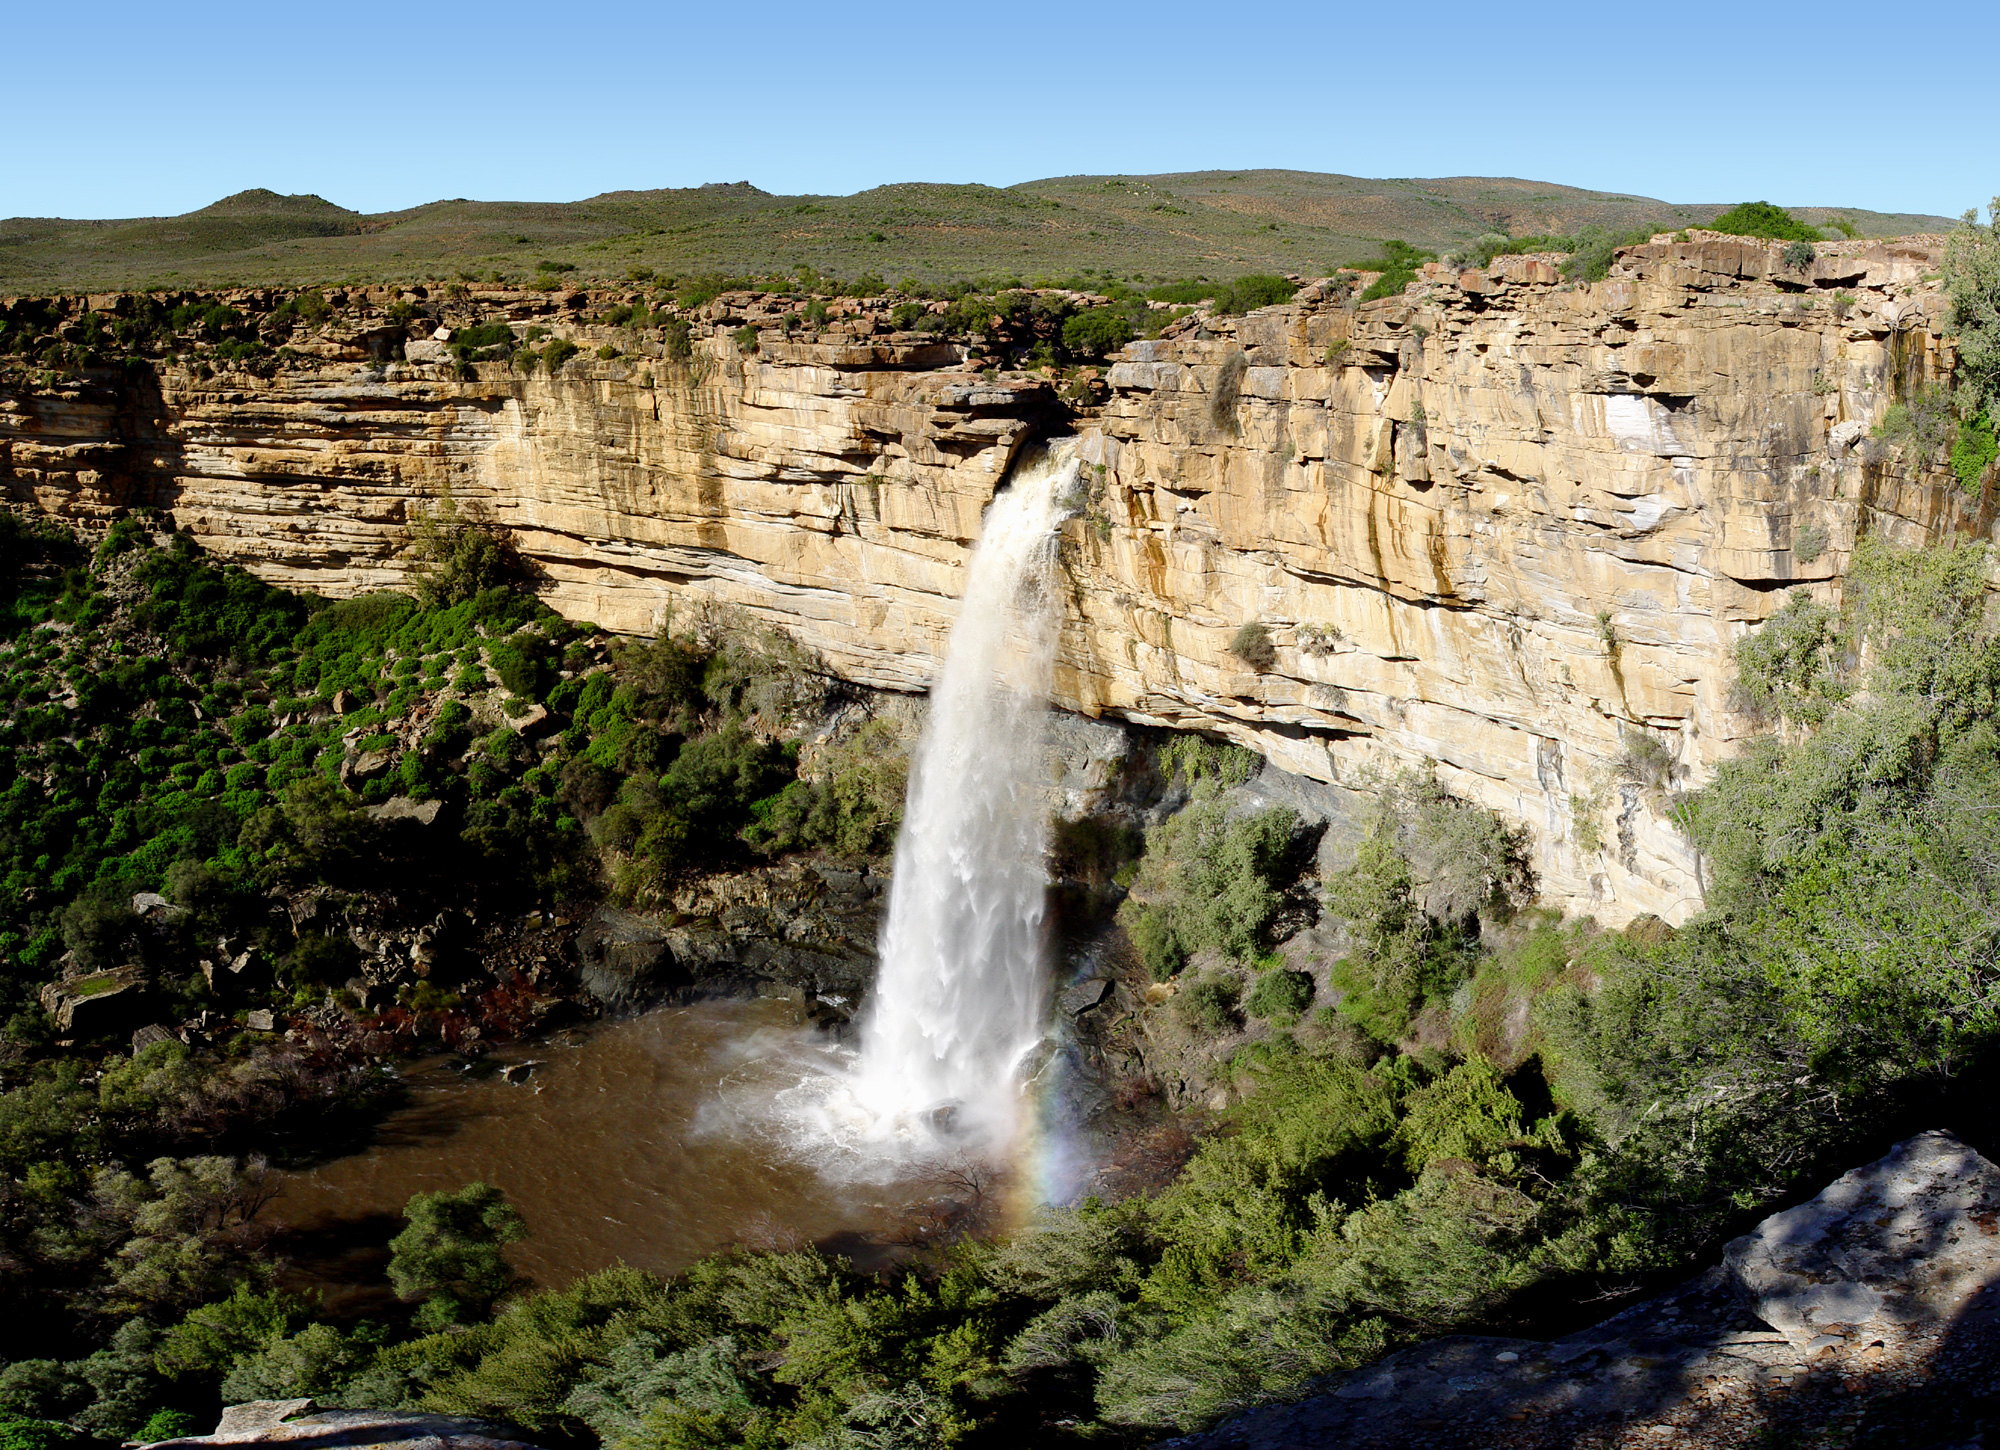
[(960, 1002)]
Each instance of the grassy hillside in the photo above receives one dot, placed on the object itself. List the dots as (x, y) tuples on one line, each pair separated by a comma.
[(1147, 227)]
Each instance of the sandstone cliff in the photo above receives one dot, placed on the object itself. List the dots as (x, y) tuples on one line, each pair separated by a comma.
[(1500, 523)]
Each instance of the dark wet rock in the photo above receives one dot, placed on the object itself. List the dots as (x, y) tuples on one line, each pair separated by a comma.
[(623, 960), (1890, 1265), (1080, 998)]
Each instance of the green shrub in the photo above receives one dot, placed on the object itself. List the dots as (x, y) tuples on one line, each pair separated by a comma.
[(1209, 1003), (458, 553), (1207, 883), (851, 808), (1761, 219), (1799, 256), (522, 662), (745, 338), (1207, 765), (1281, 995), (1595, 249), (559, 351), (1973, 451), (1247, 294), (448, 1258), (1097, 331), (1398, 263), (19, 1433)]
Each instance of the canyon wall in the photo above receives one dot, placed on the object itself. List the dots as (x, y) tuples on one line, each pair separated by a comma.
[(1499, 523)]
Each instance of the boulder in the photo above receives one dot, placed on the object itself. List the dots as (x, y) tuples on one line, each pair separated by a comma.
[(297, 1423), (146, 1036), (1080, 998), (365, 766), (403, 808), (93, 1005), (623, 960)]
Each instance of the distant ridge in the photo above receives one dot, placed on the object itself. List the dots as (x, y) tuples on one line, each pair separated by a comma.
[(1159, 227), (259, 202)]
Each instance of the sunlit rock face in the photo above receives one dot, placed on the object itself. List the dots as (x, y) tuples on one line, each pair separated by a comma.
[(1500, 523)]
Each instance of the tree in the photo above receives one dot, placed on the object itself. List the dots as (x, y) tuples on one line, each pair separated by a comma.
[(450, 1256), (1972, 282), (457, 552)]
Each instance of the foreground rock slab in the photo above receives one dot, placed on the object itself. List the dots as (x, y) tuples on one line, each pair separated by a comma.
[(1870, 1314), (296, 1423)]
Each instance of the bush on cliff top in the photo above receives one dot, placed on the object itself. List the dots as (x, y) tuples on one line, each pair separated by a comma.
[(1761, 219)]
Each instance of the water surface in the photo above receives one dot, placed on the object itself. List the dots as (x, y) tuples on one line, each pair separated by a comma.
[(650, 1141)]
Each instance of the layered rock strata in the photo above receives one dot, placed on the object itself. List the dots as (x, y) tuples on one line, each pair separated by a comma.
[(1500, 523)]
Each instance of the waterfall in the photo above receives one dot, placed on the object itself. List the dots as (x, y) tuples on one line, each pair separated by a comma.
[(959, 1000)]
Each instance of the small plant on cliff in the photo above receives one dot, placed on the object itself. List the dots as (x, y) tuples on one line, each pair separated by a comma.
[(1800, 255), (1922, 424), (745, 338), (1210, 1004), (557, 353), (1973, 451), (1281, 995), (1595, 248), (1095, 332), (1252, 644), (1228, 389), (1247, 294)]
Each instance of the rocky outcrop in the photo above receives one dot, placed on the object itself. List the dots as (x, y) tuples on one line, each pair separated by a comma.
[(805, 933), (298, 1424), (1823, 1316), (1500, 523)]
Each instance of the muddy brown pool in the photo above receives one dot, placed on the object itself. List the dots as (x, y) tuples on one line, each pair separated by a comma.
[(645, 1141)]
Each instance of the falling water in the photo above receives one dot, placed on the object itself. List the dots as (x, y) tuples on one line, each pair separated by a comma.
[(959, 1000)]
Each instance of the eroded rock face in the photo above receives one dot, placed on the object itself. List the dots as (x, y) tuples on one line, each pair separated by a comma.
[(1498, 523), (1891, 1277)]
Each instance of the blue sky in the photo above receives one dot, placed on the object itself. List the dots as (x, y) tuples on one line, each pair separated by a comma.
[(121, 109)]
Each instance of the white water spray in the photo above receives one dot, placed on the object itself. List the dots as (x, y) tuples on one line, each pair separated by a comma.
[(959, 1001)]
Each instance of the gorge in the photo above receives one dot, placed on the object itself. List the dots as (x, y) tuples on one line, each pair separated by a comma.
[(1500, 522), (1335, 770)]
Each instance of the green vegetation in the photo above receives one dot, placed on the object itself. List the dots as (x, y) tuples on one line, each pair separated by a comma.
[(448, 1258), (1398, 263), (1761, 219), (1973, 451), (1972, 283), (1207, 883), (1503, 1115)]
